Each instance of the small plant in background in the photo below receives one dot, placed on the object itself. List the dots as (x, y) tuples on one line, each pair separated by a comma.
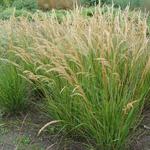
[(12, 12)]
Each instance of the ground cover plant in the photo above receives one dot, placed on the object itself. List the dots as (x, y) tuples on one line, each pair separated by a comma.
[(93, 72)]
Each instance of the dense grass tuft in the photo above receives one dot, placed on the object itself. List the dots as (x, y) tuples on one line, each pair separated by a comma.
[(13, 90)]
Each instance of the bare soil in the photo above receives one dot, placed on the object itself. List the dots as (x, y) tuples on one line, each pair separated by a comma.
[(142, 137), (20, 133)]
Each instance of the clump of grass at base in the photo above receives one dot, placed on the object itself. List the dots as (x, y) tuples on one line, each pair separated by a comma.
[(93, 71), (13, 90)]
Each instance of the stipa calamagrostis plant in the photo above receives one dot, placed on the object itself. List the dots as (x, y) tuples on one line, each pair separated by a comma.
[(93, 71)]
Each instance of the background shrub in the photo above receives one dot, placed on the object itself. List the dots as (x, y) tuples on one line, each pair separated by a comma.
[(30, 5), (90, 2), (6, 3), (12, 12), (117, 3)]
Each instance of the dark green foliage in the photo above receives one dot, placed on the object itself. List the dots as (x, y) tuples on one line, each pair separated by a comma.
[(90, 2), (6, 3), (30, 5), (117, 3)]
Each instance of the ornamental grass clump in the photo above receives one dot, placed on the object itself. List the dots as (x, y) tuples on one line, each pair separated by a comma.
[(94, 72), (13, 90)]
